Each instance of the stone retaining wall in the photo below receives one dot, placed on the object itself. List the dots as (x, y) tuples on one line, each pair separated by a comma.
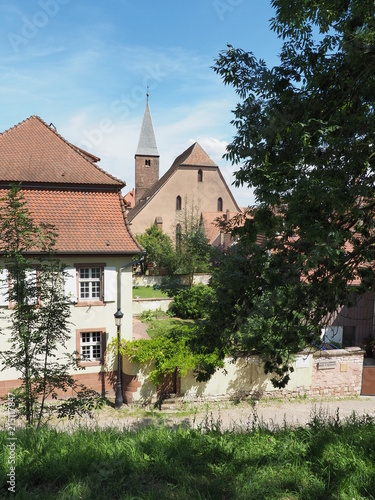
[(337, 372)]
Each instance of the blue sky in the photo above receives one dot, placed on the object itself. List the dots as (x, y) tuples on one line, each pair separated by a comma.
[(85, 67)]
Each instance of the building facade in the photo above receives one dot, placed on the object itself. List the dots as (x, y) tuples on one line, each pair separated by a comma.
[(63, 186)]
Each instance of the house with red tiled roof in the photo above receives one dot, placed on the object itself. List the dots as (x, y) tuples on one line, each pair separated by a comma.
[(193, 183), (64, 186)]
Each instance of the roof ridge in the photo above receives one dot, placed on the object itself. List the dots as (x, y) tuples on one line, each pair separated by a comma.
[(78, 150), (18, 124), (75, 148)]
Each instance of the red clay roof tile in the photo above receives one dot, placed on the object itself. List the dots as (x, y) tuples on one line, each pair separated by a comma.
[(90, 222), (33, 152)]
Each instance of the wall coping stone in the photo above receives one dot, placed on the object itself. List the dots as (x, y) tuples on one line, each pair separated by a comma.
[(336, 353)]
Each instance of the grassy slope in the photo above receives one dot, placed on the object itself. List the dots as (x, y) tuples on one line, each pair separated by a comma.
[(148, 292), (325, 460)]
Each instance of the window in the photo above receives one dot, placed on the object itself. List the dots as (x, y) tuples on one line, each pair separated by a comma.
[(90, 283), (200, 176), (220, 204), (91, 346), (148, 163), (178, 203), (9, 290)]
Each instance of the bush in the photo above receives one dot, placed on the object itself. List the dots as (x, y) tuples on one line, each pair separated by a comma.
[(192, 302)]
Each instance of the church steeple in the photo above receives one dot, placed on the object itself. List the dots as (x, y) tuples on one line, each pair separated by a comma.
[(146, 157)]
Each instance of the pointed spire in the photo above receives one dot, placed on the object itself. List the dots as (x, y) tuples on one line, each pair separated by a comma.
[(147, 143)]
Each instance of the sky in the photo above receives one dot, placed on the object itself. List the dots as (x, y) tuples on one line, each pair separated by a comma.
[(86, 67)]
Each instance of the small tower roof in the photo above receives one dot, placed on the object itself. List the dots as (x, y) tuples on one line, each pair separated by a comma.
[(147, 143)]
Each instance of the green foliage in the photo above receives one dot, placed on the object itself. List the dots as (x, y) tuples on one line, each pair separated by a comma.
[(191, 302), (304, 142), (192, 248), (159, 251), (327, 459), (168, 349), (249, 314), (38, 327)]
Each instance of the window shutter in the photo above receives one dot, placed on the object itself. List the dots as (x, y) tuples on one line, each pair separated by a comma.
[(30, 278), (70, 284), (110, 284), (4, 287)]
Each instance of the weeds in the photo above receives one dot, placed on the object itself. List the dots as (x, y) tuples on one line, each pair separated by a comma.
[(328, 459)]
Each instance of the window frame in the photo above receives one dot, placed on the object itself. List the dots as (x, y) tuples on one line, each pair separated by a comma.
[(93, 301), (102, 342)]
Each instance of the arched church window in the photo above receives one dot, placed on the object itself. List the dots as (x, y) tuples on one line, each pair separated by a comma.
[(200, 176), (178, 203), (220, 204)]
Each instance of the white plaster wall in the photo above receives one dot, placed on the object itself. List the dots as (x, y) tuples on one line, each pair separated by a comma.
[(101, 317), (245, 376)]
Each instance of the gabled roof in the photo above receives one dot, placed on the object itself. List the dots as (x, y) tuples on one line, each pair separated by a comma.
[(33, 152), (193, 156), (87, 222), (147, 143)]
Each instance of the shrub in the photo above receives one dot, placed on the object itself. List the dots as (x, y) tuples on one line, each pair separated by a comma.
[(192, 302)]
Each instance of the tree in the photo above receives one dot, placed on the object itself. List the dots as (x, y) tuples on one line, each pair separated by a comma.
[(39, 316), (192, 248), (159, 250), (305, 143)]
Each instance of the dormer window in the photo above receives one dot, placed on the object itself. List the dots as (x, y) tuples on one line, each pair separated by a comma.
[(178, 203), (200, 176), (148, 163)]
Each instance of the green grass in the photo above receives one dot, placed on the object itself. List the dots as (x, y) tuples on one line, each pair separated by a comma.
[(148, 292), (328, 459)]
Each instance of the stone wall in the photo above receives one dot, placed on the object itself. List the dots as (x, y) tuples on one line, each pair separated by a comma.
[(337, 372), (334, 373), (156, 280)]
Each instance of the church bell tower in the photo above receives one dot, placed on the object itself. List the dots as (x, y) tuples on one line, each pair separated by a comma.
[(146, 157)]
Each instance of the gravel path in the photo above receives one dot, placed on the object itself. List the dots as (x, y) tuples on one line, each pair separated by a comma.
[(227, 416)]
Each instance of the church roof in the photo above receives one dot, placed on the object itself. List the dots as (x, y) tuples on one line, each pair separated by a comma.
[(33, 152), (193, 156), (147, 143)]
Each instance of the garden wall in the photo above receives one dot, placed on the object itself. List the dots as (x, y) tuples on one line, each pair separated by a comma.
[(156, 280), (141, 305), (326, 373), (338, 372)]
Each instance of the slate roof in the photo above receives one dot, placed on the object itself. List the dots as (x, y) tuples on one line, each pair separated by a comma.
[(147, 142), (193, 156), (34, 152)]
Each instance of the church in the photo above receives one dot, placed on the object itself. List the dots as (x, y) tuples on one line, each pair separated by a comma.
[(193, 183)]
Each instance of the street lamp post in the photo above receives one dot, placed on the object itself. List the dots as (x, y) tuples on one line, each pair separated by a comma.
[(119, 399)]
